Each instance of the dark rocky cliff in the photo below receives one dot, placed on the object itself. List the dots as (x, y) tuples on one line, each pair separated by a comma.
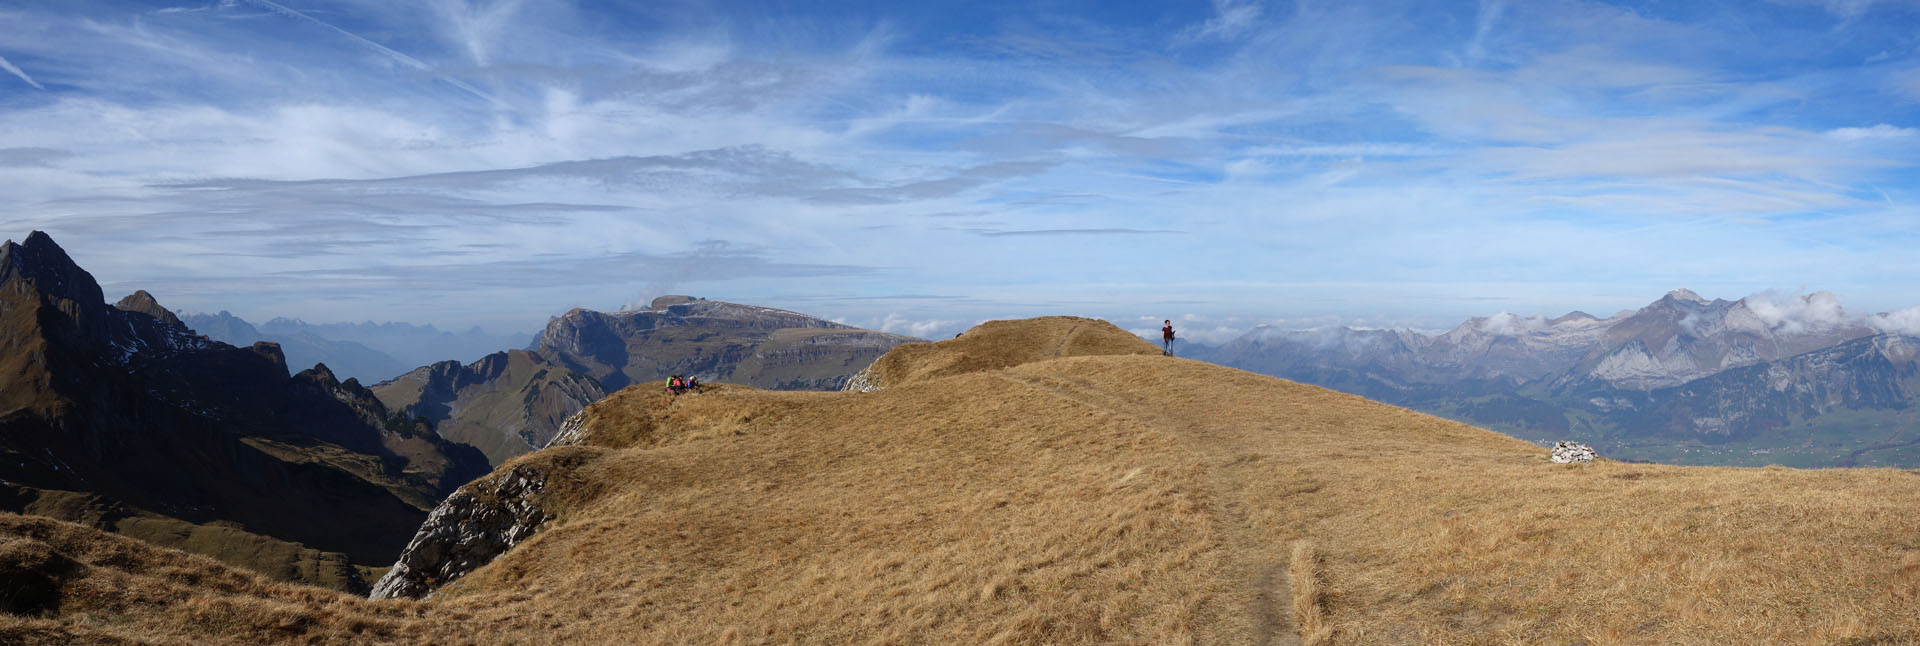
[(132, 411)]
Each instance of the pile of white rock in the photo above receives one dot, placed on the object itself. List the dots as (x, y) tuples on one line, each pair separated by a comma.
[(862, 382), (1572, 452)]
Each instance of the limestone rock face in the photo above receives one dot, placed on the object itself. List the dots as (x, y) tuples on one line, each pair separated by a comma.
[(572, 432), (471, 527), (863, 382)]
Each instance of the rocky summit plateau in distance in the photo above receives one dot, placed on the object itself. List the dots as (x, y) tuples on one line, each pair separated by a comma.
[(513, 401)]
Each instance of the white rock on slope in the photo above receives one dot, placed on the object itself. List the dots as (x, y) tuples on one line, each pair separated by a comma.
[(1572, 452), (465, 532)]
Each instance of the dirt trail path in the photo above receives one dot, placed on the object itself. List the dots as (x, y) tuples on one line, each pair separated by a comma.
[(1253, 604)]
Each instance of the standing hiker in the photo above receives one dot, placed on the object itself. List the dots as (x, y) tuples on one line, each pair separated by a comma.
[(1166, 339)]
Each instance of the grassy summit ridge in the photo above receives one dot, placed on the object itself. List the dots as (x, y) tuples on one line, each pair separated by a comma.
[(1115, 497)]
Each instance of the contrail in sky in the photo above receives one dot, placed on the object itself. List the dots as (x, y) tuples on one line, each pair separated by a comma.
[(404, 59), (8, 66)]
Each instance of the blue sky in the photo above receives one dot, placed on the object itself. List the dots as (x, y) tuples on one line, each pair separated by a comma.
[(925, 166)]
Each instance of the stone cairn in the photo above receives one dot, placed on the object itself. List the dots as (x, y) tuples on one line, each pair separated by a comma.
[(1572, 453)]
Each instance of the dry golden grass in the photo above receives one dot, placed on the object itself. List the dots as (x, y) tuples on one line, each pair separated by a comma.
[(1308, 613), (117, 590), (1099, 499), (1003, 344)]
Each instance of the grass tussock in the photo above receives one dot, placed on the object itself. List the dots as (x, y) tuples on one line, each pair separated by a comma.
[(1308, 596), (1079, 500)]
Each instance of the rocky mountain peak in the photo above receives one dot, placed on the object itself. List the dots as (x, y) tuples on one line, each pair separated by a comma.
[(144, 303), (1684, 294), (43, 263), (319, 374), (272, 352)]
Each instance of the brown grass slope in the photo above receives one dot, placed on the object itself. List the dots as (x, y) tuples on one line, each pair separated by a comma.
[(1096, 499), (1002, 344)]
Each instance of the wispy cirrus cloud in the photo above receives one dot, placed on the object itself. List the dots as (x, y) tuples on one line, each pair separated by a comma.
[(17, 72), (1566, 154)]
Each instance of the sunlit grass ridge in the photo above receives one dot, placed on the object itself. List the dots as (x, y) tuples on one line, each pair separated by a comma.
[(1057, 481)]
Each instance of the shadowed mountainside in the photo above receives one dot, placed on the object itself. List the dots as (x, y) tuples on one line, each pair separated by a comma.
[(126, 420), (1115, 498)]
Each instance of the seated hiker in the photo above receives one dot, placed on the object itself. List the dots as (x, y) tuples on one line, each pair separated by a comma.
[(693, 383), (675, 385)]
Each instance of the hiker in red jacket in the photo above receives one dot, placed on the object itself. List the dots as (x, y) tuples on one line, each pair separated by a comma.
[(1166, 339)]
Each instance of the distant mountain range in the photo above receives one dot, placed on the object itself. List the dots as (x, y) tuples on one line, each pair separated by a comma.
[(412, 345), (120, 417), (302, 346), (1795, 380), (512, 402), (366, 351)]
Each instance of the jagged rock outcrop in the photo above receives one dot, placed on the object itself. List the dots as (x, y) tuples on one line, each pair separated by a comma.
[(863, 382), (464, 533), (480, 522), (572, 432)]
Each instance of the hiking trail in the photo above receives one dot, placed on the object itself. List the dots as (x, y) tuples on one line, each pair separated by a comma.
[(1253, 603)]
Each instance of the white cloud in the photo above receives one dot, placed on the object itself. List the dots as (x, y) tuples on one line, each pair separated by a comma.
[(1906, 321), (16, 71), (1796, 313), (1508, 324), (1879, 131), (1231, 19), (1488, 14), (477, 26), (933, 329), (1328, 147), (1194, 327)]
